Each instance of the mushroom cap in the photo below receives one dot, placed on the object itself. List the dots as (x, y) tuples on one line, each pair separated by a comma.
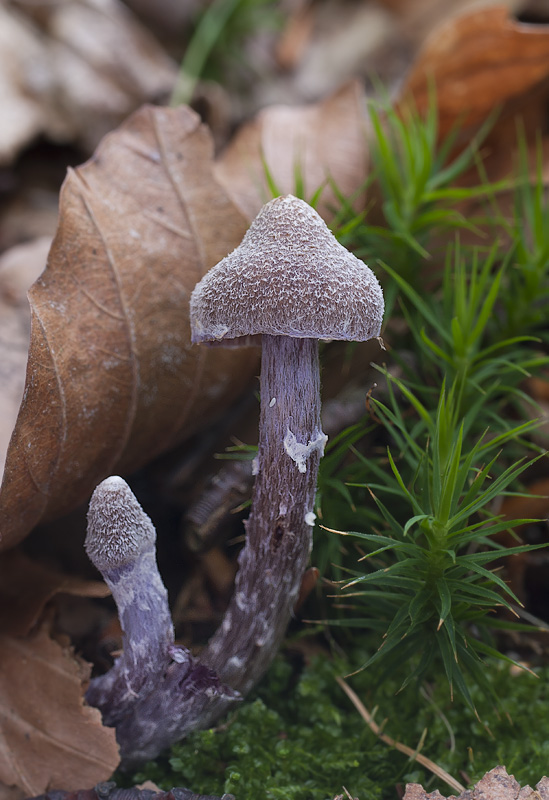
[(118, 528), (288, 277)]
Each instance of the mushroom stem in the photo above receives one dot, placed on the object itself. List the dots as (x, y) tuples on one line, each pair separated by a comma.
[(279, 529), (156, 692), (147, 639), (121, 542)]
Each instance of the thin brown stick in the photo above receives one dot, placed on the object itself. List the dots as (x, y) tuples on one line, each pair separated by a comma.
[(426, 762)]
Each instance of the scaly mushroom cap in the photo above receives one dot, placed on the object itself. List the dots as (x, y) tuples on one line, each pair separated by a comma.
[(118, 528), (288, 277)]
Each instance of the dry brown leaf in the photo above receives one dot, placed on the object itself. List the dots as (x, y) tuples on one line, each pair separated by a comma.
[(26, 586), (419, 17), (478, 61), (48, 737), (495, 785), (414, 791), (322, 140), (21, 115), (11, 792), (112, 379), (19, 268), (296, 35), (74, 70), (347, 40)]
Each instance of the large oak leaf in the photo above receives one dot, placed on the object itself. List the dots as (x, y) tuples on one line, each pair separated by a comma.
[(112, 379)]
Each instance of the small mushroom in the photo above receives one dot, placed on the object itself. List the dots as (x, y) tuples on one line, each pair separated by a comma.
[(156, 692), (121, 543), (288, 284)]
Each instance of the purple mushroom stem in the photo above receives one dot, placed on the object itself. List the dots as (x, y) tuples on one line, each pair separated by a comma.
[(156, 692), (287, 285), (279, 529), (121, 543)]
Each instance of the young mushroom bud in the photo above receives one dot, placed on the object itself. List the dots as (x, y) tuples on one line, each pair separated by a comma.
[(288, 284), (156, 692), (121, 543)]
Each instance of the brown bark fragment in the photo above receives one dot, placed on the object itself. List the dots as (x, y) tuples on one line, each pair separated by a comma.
[(495, 785)]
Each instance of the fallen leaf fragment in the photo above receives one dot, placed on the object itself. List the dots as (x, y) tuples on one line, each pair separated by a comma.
[(495, 785), (48, 737), (478, 61), (348, 39), (21, 113), (26, 586), (74, 70), (414, 791), (19, 268), (323, 140), (533, 504), (112, 379)]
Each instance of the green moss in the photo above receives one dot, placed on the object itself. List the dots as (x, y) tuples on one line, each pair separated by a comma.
[(289, 743), (301, 739)]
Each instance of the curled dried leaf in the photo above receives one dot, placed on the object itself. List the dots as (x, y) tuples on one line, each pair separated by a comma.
[(26, 586), (74, 70), (112, 379), (477, 61)]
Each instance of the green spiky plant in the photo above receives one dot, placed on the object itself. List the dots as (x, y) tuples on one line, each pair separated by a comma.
[(414, 180), (430, 594), (443, 467), (219, 31), (450, 452), (526, 303)]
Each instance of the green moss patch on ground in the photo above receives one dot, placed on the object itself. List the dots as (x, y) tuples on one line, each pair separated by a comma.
[(301, 739)]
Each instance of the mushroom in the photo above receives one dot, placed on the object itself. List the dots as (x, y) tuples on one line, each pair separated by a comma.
[(156, 692), (287, 285), (121, 543)]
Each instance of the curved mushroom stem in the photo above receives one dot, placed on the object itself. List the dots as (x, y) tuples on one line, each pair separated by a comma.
[(147, 637), (121, 543), (279, 529), (156, 692)]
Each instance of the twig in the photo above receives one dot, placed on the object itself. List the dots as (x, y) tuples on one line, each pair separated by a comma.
[(425, 762)]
